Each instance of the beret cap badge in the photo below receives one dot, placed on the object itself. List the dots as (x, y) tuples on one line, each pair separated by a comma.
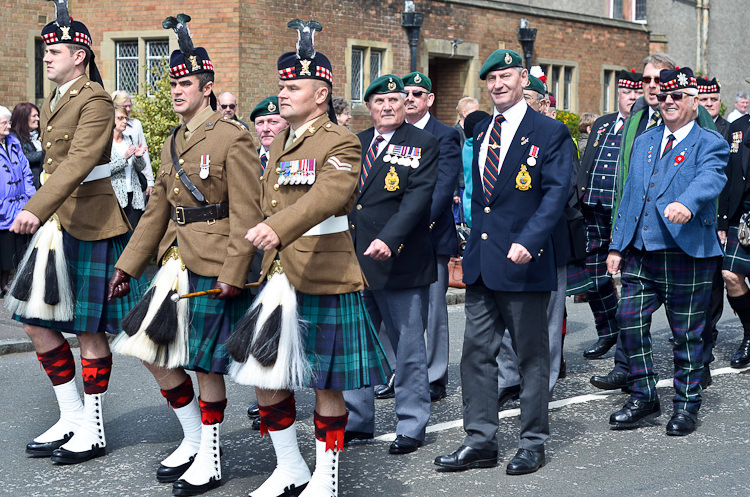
[(271, 107), (391, 84), (417, 78), (682, 79), (508, 58)]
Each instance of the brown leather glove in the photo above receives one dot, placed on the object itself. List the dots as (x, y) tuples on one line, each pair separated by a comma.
[(119, 285), (227, 291)]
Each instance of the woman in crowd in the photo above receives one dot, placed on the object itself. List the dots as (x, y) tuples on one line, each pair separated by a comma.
[(127, 158), (343, 113), (24, 123), (16, 188), (134, 130)]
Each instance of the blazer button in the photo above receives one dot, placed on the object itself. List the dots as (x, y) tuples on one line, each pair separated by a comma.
[(583, 188), (485, 236), (359, 207), (275, 188), (353, 227), (66, 137), (49, 161), (49, 144), (274, 203), (49, 128), (176, 191), (487, 210)]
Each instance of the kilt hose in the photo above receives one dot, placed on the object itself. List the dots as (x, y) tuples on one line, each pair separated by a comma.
[(737, 258), (683, 284), (90, 266), (602, 297), (341, 342)]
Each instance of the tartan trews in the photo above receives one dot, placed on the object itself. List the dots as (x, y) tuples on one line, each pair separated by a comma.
[(683, 284), (602, 297)]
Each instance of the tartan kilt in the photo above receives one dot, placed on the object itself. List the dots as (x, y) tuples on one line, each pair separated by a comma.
[(578, 279), (737, 258), (90, 266), (341, 342), (211, 323)]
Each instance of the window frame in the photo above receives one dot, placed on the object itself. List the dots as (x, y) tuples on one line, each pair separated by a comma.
[(109, 52), (564, 92), (613, 70), (367, 47)]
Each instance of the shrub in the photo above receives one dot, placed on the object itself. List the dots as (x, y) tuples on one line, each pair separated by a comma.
[(570, 120)]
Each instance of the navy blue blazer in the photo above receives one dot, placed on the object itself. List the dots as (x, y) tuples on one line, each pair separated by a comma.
[(516, 216), (737, 171), (401, 217), (449, 167), (695, 182)]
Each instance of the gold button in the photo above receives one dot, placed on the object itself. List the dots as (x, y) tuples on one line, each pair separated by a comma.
[(49, 144), (177, 176), (353, 226), (49, 161), (49, 128), (541, 251), (487, 210), (274, 203), (359, 207), (66, 137), (276, 187), (182, 161), (176, 191), (485, 236), (261, 178), (278, 170)]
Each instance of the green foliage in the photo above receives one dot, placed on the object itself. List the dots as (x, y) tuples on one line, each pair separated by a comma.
[(570, 120), (722, 109), (156, 115)]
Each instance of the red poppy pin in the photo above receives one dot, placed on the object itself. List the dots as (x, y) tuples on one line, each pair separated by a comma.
[(679, 159)]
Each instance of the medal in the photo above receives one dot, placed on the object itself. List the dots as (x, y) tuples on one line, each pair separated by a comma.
[(387, 158), (205, 163), (531, 161), (414, 163), (523, 179), (391, 180)]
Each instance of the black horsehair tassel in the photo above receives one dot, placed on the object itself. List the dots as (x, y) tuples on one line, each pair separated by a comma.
[(265, 347), (22, 287), (133, 320), (238, 343), (163, 327), (51, 289)]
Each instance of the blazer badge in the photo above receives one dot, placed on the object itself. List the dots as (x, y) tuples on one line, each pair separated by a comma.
[(523, 179), (391, 180)]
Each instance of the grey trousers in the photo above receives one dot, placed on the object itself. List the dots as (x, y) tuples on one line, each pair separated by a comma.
[(507, 362), (488, 314), (403, 313), (438, 341)]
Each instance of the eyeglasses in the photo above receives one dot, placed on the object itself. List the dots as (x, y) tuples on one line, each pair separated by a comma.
[(228, 106), (416, 93), (647, 80), (676, 96)]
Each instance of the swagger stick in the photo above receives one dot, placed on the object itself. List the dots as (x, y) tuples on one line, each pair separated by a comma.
[(213, 291)]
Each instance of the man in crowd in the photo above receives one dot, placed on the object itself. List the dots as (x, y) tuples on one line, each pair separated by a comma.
[(741, 102), (268, 123), (522, 173), (390, 227), (419, 100), (709, 96), (665, 244), (228, 106), (76, 125)]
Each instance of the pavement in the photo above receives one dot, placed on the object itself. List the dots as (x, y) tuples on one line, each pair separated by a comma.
[(584, 457)]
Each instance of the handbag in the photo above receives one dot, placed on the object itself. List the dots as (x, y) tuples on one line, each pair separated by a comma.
[(455, 273), (462, 233), (743, 233)]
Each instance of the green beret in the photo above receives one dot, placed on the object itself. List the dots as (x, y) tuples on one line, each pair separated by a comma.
[(500, 59), (267, 107), (417, 79), (388, 83), (536, 85)]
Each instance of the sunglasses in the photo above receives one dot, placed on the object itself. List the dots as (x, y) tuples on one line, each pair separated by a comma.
[(647, 79), (416, 93), (676, 96), (228, 106)]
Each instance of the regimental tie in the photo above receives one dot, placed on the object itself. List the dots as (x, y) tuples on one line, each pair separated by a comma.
[(55, 99), (654, 120), (370, 159), (492, 163), (668, 147), (263, 163)]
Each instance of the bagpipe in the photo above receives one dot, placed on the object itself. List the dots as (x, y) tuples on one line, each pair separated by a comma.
[(41, 288), (267, 344)]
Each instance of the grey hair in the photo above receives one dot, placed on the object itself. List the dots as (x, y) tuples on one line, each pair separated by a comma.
[(660, 59), (741, 94), (4, 112)]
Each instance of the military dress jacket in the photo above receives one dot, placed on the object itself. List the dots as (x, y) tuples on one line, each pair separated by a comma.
[(737, 188), (394, 207), (323, 264), (208, 248), (76, 137)]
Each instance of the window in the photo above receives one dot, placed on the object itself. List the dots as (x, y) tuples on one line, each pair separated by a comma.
[(127, 66), (639, 10), (366, 66), (156, 51), (562, 83), (615, 9), (137, 56), (39, 73)]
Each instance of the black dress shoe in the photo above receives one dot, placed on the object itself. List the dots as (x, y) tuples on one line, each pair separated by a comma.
[(600, 348), (256, 424), (682, 423), (38, 449), (165, 474), (64, 456), (633, 413), (404, 445), (467, 458), (351, 436), (386, 391), (706, 379), (253, 411), (526, 461), (563, 369), (437, 392), (508, 394), (741, 358), (181, 487), (611, 381)]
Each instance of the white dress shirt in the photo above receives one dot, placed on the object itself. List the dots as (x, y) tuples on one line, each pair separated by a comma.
[(387, 138), (679, 135), (422, 122), (513, 118)]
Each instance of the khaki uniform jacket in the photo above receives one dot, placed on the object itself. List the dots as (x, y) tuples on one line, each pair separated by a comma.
[(214, 249), (76, 137), (322, 264)]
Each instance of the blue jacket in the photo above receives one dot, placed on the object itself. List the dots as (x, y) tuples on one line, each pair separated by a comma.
[(467, 156), (695, 182), (515, 216), (16, 184)]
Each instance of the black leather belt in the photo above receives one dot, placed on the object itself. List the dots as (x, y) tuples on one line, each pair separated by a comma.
[(209, 213)]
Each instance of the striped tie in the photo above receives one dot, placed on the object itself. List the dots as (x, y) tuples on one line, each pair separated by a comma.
[(654, 120), (370, 159), (492, 164), (668, 147), (263, 163)]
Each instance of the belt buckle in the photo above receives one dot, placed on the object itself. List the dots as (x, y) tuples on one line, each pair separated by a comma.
[(179, 214)]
